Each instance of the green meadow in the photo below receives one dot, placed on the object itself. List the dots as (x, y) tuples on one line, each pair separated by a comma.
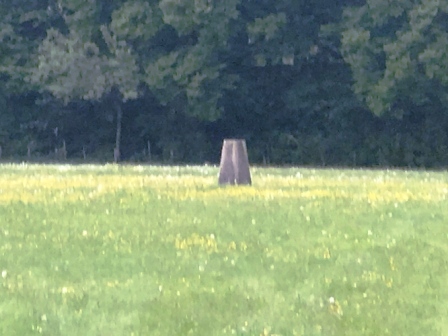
[(146, 250)]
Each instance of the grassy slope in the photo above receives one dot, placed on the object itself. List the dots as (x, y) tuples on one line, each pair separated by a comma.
[(163, 251)]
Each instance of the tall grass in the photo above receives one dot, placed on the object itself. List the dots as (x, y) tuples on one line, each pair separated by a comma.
[(116, 250)]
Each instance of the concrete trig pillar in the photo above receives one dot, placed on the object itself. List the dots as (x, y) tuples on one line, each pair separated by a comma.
[(234, 166)]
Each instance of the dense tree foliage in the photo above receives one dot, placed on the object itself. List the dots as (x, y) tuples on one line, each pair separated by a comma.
[(352, 82)]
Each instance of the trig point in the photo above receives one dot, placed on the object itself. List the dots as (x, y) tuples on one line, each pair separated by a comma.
[(234, 166)]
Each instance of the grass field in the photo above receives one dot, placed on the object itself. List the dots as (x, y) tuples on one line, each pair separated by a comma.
[(135, 250)]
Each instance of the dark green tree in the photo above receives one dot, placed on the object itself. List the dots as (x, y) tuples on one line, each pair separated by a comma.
[(398, 53), (86, 61)]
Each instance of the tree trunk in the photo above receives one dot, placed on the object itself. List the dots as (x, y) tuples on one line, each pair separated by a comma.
[(118, 134)]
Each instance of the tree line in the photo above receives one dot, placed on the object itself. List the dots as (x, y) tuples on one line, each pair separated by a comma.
[(341, 83)]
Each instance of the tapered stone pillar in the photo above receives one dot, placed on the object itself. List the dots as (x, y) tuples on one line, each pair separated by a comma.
[(234, 166)]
